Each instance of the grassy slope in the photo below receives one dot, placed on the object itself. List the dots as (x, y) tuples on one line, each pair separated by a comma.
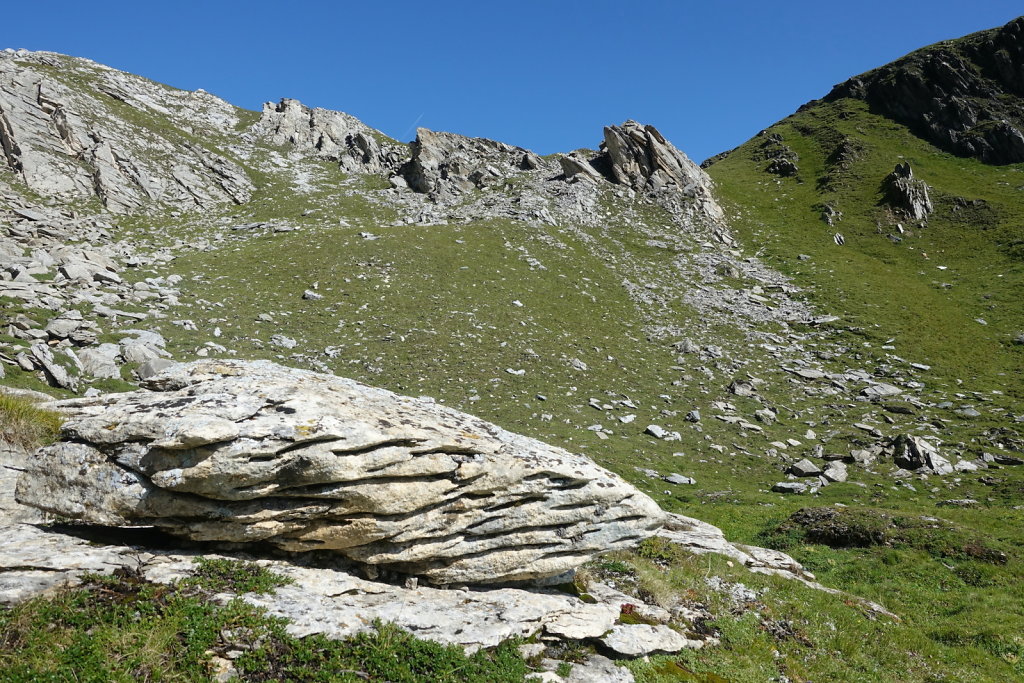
[(891, 293), (428, 310), (894, 290)]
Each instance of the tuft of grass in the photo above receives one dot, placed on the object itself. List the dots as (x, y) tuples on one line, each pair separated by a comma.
[(24, 424), (221, 574), (866, 527)]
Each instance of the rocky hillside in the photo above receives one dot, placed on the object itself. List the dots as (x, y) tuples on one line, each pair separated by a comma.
[(962, 95), (812, 344)]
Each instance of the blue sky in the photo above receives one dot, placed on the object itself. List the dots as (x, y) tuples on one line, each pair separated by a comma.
[(547, 75)]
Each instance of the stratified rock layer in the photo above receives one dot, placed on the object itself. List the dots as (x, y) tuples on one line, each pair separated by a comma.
[(251, 451), (69, 142), (641, 158)]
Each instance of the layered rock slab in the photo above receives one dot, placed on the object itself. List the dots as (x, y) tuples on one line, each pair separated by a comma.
[(239, 451)]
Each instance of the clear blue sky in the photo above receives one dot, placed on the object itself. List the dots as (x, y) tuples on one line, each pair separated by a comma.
[(543, 74)]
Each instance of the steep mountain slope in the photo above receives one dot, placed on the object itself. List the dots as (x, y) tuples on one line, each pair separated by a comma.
[(962, 95), (923, 262), (613, 302)]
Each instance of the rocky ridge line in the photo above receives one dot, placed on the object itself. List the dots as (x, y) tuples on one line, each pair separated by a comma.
[(962, 95)]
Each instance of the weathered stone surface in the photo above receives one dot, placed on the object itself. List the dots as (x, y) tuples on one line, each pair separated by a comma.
[(64, 142), (250, 451), (577, 167), (836, 471), (914, 453), (880, 390), (586, 621), (641, 158), (906, 193), (330, 134), (789, 487), (446, 162), (636, 640), (101, 361), (598, 669), (805, 468)]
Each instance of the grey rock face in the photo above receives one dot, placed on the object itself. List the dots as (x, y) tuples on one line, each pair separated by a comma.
[(915, 453), (67, 143), (805, 468), (577, 167), (641, 158), (836, 471), (250, 451), (963, 98), (330, 134), (789, 487), (906, 193)]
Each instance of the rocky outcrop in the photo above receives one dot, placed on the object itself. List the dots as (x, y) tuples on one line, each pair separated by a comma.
[(448, 163), (962, 95), (576, 167), (329, 134), (907, 194), (250, 451), (641, 158), (915, 453), (66, 142)]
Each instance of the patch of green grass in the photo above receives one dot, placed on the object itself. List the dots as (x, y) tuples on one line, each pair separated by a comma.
[(124, 628), (25, 425), (867, 527), (924, 287), (222, 574)]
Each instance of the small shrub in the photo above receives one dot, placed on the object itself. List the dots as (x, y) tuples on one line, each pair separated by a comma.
[(659, 550)]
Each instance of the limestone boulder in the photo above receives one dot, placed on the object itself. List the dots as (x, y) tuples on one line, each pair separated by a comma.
[(238, 451)]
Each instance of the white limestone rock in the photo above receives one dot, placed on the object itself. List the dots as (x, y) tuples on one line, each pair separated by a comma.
[(69, 142), (637, 640), (250, 451)]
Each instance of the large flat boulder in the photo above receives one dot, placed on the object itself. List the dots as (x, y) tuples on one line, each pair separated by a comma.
[(251, 451)]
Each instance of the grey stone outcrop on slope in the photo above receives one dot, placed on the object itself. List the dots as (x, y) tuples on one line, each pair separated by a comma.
[(906, 193), (250, 451), (640, 157), (329, 134), (447, 163), (72, 143)]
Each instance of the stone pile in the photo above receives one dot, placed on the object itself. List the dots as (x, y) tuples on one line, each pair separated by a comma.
[(63, 264)]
